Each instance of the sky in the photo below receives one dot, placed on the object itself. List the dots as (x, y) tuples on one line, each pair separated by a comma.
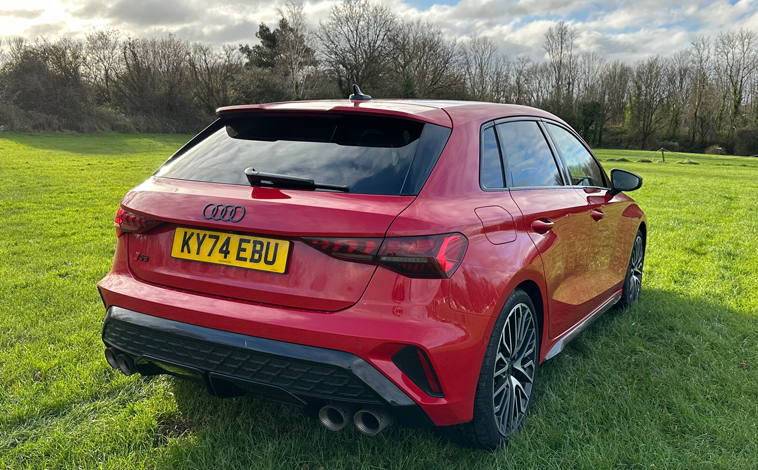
[(615, 29)]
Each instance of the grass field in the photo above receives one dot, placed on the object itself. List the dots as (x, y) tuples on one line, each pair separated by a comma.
[(669, 383)]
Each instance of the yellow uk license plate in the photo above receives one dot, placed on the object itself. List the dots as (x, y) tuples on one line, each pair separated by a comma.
[(242, 251)]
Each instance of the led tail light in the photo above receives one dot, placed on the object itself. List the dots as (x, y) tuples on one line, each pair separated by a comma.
[(125, 222), (430, 256), (360, 250)]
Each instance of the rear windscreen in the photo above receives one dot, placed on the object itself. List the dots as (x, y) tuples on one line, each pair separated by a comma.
[(369, 154)]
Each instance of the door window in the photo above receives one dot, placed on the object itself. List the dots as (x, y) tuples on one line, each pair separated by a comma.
[(528, 157), (582, 167)]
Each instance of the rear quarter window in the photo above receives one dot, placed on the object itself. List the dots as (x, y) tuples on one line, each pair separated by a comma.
[(369, 154)]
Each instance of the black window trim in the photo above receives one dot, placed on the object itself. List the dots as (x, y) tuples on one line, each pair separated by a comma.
[(508, 181), (564, 165)]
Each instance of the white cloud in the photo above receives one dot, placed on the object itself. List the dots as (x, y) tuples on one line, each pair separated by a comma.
[(623, 29)]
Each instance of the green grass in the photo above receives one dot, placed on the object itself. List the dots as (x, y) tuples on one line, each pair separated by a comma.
[(669, 383)]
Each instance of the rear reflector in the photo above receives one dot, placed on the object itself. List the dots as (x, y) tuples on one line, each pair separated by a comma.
[(429, 257), (125, 221)]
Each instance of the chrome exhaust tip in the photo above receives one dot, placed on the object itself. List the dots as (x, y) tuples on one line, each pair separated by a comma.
[(334, 418), (125, 364), (110, 357), (371, 422)]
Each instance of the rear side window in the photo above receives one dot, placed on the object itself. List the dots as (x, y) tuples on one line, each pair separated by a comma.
[(490, 167), (370, 155), (528, 157), (583, 169)]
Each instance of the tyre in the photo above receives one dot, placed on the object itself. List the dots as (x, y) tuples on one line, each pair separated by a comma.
[(633, 280), (506, 379)]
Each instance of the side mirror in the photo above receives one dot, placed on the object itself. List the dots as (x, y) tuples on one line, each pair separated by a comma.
[(622, 180)]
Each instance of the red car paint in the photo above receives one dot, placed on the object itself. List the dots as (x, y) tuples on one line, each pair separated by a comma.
[(571, 269)]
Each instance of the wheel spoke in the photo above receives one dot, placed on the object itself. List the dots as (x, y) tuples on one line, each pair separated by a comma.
[(504, 411), (502, 387), (520, 396), (508, 411), (525, 372), (503, 392), (518, 340), (506, 340)]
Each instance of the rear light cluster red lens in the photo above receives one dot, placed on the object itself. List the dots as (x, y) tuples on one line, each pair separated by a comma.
[(360, 250), (125, 221), (429, 257)]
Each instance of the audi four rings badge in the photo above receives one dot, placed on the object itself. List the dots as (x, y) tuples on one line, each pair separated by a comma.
[(223, 213)]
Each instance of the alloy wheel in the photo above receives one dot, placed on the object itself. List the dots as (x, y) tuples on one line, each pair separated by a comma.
[(635, 279), (515, 366)]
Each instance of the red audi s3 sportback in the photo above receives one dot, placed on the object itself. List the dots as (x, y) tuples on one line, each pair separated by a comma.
[(373, 260)]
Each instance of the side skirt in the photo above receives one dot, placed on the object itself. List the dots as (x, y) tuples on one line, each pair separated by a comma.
[(560, 345)]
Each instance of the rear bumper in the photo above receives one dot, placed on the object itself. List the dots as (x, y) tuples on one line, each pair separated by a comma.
[(231, 364), (394, 312)]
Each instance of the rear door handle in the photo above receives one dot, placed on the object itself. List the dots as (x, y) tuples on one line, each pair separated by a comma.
[(597, 214), (542, 225)]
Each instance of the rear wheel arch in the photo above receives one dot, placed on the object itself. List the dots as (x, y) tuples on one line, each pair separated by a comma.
[(535, 293), (484, 429), (643, 229)]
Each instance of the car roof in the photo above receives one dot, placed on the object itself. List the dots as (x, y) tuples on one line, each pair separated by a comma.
[(440, 112)]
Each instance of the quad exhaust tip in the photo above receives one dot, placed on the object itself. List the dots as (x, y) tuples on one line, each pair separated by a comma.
[(371, 422), (126, 364), (334, 418), (121, 361), (110, 356)]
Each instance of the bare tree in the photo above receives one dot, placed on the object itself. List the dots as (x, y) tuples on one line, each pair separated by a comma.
[(679, 88), (354, 42), (521, 79), (616, 81), (213, 72), (486, 71), (541, 76), (701, 81), (4, 56), (296, 55), (559, 46), (737, 57), (590, 67), (154, 79), (103, 60), (423, 61), (64, 57), (14, 48), (648, 97)]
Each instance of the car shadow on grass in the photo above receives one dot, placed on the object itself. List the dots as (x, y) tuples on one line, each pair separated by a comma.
[(632, 391)]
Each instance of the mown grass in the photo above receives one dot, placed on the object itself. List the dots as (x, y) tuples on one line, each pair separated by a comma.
[(669, 383)]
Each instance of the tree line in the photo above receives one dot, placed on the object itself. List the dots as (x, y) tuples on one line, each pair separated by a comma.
[(700, 98)]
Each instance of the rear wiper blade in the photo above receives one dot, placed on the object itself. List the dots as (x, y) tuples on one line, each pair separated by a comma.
[(273, 180)]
